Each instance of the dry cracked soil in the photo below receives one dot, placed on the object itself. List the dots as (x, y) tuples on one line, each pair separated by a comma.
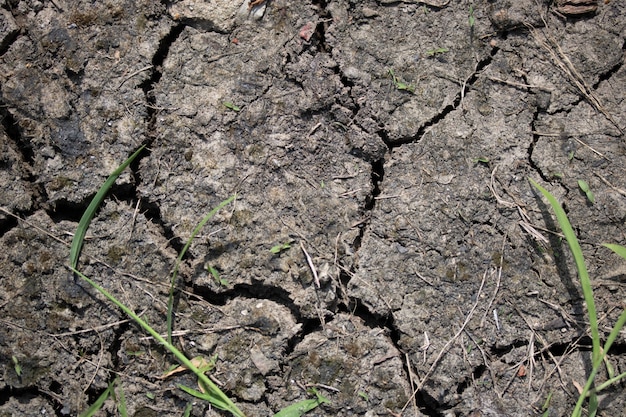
[(383, 147)]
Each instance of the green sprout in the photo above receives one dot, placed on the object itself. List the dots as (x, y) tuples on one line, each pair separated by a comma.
[(584, 187), (598, 352), (231, 106), (194, 233), (301, 407), (471, 19), (16, 366), (276, 249), (85, 220), (109, 392), (216, 275), (546, 406), (209, 391), (481, 159), (437, 51), (401, 85)]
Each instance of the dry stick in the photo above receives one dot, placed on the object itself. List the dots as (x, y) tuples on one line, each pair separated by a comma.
[(326, 387), (139, 71), (531, 359), (485, 361), (417, 274), (498, 280), (525, 222), (558, 135), (448, 344), (310, 262), (95, 372), (93, 329), (134, 220), (564, 63), (520, 85), (64, 347), (546, 348), (409, 368), (58, 239), (179, 333), (618, 190)]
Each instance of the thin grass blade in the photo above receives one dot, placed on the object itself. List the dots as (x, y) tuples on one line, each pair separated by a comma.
[(214, 395), (97, 405), (610, 382), (188, 409), (81, 230), (121, 404), (619, 325), (302, 407), (618, 249), (577, 252), (203, 396), (196, 230)]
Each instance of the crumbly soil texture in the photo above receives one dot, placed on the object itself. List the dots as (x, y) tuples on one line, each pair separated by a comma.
[(384, 247)]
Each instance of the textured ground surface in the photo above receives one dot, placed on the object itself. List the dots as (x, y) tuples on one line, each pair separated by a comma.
[(389, 140)]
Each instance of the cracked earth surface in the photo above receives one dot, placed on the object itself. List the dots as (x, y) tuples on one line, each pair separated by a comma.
[(440, 289)]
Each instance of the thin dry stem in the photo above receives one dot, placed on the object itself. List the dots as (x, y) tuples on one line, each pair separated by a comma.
[(565, 64), (445, 348)]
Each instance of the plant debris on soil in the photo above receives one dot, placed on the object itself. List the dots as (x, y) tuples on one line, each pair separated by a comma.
[(385, 249)]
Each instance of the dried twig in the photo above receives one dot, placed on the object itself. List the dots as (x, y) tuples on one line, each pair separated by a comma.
[(564, 63), (525, 220), (139, 71), (498, 280), (410, 369), (445, 348), (311, 266)]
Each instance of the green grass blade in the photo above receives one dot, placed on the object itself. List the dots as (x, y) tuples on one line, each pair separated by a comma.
[(81, 230), (188, 409), (170, 300), (611, 381), (618, 249), (201, 395), (585, 282), (214, 395), (97, 405), (302, 407), (619, 325), (121, 405)]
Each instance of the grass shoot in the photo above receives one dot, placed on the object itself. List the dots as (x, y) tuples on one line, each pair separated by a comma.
[(302, 407), (212, 394), (598, 353), (85, 220), (109, 392), (584, 187), (471, 20), (208, 390), (216, 275), (194, 233), (229, 105), (276, 249), (437, 51), (400, 85)]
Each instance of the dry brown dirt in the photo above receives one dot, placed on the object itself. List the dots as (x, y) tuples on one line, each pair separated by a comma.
[(389, 141)]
